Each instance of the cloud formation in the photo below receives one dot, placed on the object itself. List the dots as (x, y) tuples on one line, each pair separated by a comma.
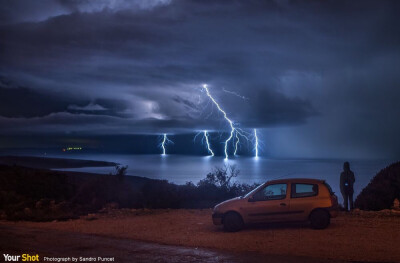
[(306, 69)]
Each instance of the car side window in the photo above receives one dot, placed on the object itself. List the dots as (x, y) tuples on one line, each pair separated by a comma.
[(271, 192), (304, 190)]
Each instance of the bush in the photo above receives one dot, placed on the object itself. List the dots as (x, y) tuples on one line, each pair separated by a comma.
[(160, 194), (382, 190), (22, 188), (42, 195), (120, 171), (215, 188), (220, 177)]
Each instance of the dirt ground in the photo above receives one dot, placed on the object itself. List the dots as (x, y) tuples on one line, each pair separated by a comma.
[(356, 236), (16, 240)]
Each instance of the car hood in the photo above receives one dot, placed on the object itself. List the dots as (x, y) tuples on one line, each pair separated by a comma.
[(228, 203)]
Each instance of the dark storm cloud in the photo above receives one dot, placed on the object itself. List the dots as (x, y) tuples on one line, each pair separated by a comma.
[(325, 67), (18, 102), (23, 102), (135, 49)]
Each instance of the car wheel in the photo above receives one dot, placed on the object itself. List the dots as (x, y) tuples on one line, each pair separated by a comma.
[(320, 219), (233, 222)]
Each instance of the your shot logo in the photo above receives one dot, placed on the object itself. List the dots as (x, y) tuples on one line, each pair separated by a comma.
[(23, 257)]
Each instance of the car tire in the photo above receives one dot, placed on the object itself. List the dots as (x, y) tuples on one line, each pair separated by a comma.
[(233, 222), (320, 219)]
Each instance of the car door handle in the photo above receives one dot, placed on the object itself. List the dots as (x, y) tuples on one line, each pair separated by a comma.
[(282, 204)]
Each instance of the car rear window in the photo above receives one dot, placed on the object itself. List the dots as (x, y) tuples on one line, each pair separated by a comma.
[(304, 190)]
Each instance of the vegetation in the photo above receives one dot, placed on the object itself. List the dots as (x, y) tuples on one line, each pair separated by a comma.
[(382, 190), (120, 171), (30, 193), (43, 195)]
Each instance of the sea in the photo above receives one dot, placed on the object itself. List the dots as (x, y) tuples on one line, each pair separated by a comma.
[(181, 169)]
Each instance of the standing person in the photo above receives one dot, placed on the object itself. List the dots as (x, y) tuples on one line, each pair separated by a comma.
[(346, 185)]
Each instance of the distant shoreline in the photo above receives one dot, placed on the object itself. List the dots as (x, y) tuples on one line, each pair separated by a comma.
[(51, 163)]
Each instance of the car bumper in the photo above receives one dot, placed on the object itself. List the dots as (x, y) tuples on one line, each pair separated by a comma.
[(217, 218), (333, 211)]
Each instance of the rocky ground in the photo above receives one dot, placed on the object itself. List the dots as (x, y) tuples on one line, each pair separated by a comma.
[(355, 236)]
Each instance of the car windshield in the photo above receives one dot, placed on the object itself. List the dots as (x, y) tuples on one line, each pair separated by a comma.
[(254, 190)]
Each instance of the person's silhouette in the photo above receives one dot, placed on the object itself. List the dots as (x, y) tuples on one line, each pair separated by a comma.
[(347, 180)]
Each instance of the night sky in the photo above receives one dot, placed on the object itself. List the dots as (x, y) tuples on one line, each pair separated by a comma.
[(318, 79)]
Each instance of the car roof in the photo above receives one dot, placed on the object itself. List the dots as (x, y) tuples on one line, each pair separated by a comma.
[(297, 180)]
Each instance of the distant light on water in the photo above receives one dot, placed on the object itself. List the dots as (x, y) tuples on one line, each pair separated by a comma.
[(72, 149)]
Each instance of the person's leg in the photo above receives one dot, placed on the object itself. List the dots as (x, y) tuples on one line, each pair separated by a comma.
[(345, 199), (351, 200)]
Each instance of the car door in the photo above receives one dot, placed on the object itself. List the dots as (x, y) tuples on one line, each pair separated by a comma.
[(303, 198), (269, 204)]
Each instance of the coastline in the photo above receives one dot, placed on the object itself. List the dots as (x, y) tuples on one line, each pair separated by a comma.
[(51, 162)]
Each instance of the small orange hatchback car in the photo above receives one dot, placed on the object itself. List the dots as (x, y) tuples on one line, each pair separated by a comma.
[(282, 200)]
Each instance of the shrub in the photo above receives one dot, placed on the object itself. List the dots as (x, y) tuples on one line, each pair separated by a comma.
[(51, 195), (120, 171), (221, 177), (215, 188), (382, 190)]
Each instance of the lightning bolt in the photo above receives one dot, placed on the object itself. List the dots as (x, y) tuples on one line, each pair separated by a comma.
[(226, 118), (237, 142), (208, 143), (256, 143), (195, 137), (164, 142), (235, 93), (204, 139)]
